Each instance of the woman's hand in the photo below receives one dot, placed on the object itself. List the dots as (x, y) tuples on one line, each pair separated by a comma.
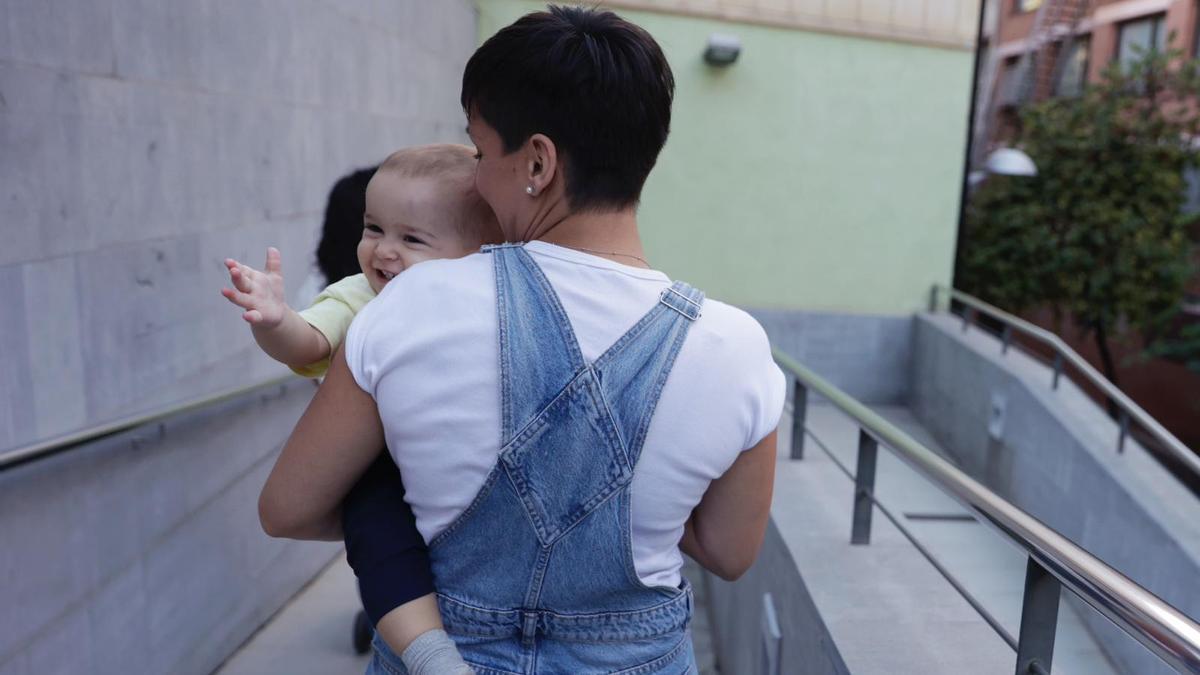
[(728, 525), (334, 442)]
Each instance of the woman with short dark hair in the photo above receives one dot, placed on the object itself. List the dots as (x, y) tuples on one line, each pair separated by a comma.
[(566, 418)]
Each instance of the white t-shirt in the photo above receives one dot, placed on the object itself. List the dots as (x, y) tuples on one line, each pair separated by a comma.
[(426, 349)]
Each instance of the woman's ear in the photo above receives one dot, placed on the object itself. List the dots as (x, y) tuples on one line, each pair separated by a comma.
[(543, 162)]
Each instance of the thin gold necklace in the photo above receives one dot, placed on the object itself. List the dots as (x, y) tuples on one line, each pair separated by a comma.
[(595, 252)]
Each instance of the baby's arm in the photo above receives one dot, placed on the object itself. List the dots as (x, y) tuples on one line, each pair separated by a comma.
[(278, 329)]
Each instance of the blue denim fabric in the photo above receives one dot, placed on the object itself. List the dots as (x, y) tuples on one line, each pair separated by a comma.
[(537, 574)]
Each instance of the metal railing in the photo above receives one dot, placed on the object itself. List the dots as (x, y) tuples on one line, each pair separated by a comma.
[(44, 448), (1128, 411), (1054, 562)]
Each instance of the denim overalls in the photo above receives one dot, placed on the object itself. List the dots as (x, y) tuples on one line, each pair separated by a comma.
[(537, 574)]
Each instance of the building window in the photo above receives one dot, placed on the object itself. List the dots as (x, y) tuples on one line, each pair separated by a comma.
[(1191, 191), (1072, 74), (1140, 36), (1027, 5), (1011, 82)]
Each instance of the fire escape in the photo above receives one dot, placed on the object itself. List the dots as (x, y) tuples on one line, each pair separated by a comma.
[(1047, 52)]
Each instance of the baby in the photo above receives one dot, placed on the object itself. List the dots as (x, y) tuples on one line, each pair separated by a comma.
[(421, 204)]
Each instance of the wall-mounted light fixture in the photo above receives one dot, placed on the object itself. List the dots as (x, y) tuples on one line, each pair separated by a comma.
[(722, 49)]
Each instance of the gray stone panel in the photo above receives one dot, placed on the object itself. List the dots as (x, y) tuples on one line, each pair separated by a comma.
[(867, 356), (16, 380), (54, 345), (142, 552), (58, 34), (143, 142)]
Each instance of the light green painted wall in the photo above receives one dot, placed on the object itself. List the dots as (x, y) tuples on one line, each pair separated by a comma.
[(818, 172)]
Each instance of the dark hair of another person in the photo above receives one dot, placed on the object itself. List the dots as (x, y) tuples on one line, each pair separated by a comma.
[(595, 84), (337, 254)]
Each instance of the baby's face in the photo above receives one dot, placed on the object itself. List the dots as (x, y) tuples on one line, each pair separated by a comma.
[(405, 222)]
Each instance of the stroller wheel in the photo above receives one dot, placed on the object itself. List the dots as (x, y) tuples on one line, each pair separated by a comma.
[(363, 632)]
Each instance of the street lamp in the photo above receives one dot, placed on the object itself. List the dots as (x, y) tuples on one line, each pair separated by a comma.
[(1010, 162)]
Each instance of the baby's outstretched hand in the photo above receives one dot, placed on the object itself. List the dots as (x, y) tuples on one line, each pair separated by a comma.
[(260, 293)]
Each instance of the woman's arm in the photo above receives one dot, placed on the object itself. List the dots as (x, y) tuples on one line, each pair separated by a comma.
[(728, 525), (332, 445)]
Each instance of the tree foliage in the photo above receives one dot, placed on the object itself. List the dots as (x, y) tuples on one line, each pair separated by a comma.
[(1099, 234)]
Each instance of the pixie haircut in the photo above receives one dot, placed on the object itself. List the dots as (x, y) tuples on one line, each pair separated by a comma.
[(595, 84), (452, 166)]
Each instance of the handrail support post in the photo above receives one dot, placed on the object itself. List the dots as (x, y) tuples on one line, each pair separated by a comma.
[(1006, 338), (864, 487), (1039, 620), (1124, 433), (799, 415), (1058, 368)]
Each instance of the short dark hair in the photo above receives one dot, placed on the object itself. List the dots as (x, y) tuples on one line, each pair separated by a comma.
[(337, 254), (594, 83)]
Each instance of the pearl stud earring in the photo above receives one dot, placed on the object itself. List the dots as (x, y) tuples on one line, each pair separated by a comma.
[(529, 190)]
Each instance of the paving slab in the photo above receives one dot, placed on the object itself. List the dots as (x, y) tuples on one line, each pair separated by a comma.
[(311, 635)]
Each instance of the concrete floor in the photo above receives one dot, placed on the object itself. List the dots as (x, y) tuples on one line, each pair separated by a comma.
[(987, 565), (312, 634)]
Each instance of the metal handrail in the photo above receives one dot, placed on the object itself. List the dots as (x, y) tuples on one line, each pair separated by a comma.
[(1164, 630), (1129, 409), (43, 448)]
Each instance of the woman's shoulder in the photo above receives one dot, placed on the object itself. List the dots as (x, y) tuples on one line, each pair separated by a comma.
[(727, 327), (729, 356)]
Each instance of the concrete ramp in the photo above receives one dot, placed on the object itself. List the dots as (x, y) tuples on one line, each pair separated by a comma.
[(883, 607)]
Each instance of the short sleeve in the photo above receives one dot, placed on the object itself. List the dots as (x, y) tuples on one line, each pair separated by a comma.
[(331, 313), (767, 388)]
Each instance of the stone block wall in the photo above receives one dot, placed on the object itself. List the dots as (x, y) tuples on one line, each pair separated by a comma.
[(143, 142), (868, 356), (142, 552)]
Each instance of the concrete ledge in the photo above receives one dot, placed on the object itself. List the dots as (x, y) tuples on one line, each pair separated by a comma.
[(738, 610), (875, 609), (142, 552), (1054, 455)]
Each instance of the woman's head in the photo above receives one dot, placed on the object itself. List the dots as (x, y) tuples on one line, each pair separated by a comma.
[(570, 99)]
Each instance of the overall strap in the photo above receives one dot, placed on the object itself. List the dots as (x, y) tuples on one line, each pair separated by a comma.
[(635, 368), (539, 354)]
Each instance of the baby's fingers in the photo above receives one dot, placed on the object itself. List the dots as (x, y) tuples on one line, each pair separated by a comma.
[(238, 298), (241, 279), (274, 261), (252, 317)]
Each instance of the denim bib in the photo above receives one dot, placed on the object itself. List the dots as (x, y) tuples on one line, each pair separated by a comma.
[(537, 574)]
